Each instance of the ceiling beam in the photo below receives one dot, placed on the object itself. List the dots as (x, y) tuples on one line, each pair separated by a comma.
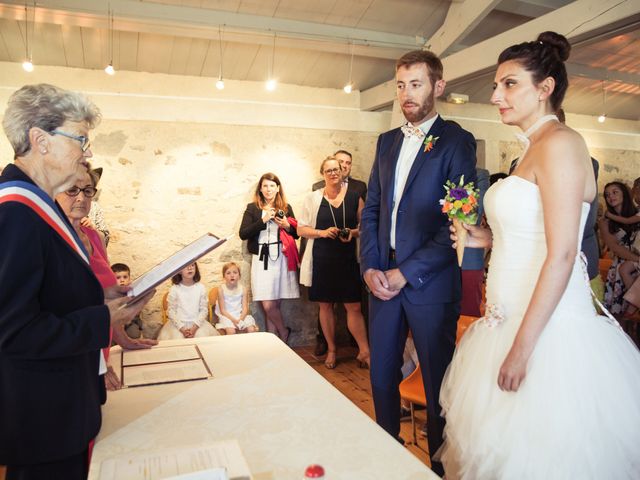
[(588, 18), (460, 20), (575, 69), (525, 8), (191, 22)]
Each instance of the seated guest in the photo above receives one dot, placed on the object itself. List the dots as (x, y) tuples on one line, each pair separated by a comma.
[(232, 307), (619, 239), (329, 221), (267, 225), (123, 277), (53, 316), (188, 307)]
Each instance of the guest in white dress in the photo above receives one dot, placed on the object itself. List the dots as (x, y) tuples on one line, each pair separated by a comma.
[(542, 387), (269, 226), (188, 307), (232, 307)]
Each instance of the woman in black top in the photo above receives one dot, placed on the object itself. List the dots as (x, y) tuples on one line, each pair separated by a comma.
[(266, 224), (330, 221)]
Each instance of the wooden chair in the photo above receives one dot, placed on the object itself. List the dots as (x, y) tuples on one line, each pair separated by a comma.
[(165, 307), (213, 318), (412, 390)]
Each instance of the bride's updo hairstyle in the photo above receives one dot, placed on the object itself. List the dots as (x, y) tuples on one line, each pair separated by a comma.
[(543, 58)]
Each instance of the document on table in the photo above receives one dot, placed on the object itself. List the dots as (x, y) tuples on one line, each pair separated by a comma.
[(207, 460), (177, 363), (172, 265), (159, 355)]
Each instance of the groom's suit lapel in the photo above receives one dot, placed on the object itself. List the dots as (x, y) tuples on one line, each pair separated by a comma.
[(423, 157)]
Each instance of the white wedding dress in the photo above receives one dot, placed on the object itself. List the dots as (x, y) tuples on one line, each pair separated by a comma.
[(577, 413)]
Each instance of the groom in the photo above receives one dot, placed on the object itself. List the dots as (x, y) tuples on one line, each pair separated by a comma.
[(406, 256)]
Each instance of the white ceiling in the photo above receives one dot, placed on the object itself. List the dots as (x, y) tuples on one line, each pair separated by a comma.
[(314, 38)]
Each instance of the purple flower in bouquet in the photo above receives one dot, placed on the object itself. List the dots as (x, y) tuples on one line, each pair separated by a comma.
[(458, 193)]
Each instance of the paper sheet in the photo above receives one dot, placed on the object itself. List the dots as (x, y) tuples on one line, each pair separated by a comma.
[(159, 355), (155, 373), (166, 463)]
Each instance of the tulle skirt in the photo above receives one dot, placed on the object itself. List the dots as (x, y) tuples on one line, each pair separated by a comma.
[(575, 416)]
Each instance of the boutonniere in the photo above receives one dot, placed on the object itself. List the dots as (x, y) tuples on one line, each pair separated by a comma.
[(429, 143)]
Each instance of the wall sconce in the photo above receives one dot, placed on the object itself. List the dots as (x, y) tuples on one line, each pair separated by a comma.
[(457, 98)]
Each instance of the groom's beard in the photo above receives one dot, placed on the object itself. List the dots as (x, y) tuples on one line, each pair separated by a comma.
[(422, 112)]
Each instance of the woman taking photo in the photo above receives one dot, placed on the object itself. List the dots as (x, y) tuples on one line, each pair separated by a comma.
[(53, 316), (330, 219), (267, 225)]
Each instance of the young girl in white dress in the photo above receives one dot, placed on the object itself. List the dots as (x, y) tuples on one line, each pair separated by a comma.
[(542, 387), (188, 308), (233, 303)]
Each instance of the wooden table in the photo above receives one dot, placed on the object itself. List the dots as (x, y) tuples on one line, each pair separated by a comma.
[(284, 415)]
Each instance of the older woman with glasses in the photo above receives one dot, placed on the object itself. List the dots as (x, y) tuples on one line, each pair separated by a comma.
[(330, 219), (53, 316)]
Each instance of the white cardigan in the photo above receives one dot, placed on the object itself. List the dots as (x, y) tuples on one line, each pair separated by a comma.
[(308, 218)]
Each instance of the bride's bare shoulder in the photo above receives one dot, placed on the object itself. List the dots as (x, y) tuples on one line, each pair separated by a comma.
[(563, 144)]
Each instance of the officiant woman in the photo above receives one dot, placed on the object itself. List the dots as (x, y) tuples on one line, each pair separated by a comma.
[(53, 316)]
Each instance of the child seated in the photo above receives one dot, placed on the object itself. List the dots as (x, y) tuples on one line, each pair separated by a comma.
[(188, 308), (123, 276), (232, 307)]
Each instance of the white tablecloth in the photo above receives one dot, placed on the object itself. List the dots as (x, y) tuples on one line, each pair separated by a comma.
[(284, 415)]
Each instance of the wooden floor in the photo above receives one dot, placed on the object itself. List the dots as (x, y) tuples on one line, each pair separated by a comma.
[(353, 382)]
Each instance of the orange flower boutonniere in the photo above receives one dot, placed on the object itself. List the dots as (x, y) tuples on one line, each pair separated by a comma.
[(430, 142)]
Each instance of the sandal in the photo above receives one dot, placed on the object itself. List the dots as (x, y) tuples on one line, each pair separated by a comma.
[(363, 360), (330, 361)]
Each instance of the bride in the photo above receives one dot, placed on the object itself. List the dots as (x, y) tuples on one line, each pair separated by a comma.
[(541, 387)]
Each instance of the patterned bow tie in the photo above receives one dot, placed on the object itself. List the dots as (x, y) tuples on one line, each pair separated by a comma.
[(409, 130)]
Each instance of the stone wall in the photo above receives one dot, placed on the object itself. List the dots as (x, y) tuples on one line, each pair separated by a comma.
[(164, 184)]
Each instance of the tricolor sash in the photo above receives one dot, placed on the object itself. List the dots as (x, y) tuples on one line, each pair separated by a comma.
[(38, 201), (34, 198)]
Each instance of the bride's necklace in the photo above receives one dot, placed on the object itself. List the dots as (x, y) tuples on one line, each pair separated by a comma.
[(523, 138)]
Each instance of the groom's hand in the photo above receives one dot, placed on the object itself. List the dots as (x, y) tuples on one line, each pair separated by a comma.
[(378, 284), (396, 279)]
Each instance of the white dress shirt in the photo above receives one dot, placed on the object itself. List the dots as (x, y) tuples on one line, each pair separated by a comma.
[(408, 153)]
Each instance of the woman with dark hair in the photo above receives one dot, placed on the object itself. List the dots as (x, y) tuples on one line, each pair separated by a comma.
[(618, 237), (542, 387), (269, 226)]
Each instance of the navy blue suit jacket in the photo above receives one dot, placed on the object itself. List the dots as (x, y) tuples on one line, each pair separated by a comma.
[(423, 248), (53, 322)]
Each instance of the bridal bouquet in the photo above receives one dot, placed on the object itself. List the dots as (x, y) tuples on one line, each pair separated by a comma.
[(460, 203)]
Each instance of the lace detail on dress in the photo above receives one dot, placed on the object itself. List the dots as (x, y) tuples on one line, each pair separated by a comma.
[(610, 318), (493, 315)]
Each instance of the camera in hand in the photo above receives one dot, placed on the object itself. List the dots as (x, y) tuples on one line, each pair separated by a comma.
[(344, 233), (280, 214)]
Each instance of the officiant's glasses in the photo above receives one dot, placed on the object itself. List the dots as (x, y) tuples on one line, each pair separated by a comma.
[(89, 192)]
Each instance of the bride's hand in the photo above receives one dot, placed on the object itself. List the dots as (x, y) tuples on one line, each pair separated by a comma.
[(512, 371), (478, 237)]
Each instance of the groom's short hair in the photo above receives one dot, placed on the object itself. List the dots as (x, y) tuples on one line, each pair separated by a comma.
[(430, 59)]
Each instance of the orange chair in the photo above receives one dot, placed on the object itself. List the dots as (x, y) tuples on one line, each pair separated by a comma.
[(412, 390), (213, 318), (464, 322), (603, 265)]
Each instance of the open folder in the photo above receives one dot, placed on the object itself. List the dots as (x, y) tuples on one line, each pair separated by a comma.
[(173, 265)]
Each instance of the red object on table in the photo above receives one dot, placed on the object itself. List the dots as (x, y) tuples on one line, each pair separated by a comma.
[(314, 471)]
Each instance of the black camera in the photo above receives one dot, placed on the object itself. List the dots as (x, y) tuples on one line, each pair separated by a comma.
[(344, 233), (280, 214)]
